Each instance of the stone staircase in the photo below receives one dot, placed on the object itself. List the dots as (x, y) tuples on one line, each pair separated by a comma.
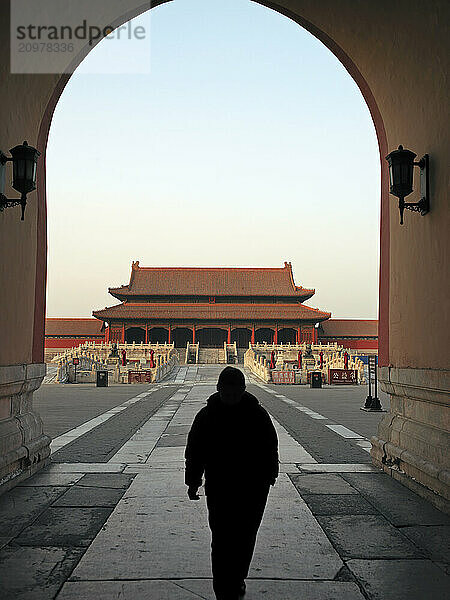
[(211, 356), (240, 355)]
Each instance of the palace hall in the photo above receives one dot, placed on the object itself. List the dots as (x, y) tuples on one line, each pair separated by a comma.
[(211, 306)]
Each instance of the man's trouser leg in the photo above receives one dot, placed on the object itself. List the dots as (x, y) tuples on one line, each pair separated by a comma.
[(234, 521), (251, 516)]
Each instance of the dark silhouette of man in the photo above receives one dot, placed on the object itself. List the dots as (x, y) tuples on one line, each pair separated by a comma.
[(232, 442)]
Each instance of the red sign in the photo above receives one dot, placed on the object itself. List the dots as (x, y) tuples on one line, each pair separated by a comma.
[(342, 376), (76, 361), (283, 376), (139, 377)]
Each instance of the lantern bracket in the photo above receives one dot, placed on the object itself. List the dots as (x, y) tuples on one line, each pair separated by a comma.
[(8, 203)]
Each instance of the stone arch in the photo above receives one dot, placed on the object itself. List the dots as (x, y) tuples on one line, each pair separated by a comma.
[(349, 64)]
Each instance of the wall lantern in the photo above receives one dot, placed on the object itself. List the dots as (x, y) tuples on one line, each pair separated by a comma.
[(24, 159), (401, 167)]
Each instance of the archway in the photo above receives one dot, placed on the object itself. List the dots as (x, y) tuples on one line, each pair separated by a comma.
[(211, 337), (418, 347), (287, 336), (134, 334), (264, 334), (181, 336), (158, 335), (242, 337), (343, 57)]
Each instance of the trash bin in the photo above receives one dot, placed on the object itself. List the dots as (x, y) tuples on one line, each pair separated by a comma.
[(102, 378), (316, 380)]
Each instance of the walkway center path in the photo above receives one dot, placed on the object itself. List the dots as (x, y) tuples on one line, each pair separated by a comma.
[(159, 540)]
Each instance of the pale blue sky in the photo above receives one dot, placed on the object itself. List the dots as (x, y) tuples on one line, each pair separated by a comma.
[(246, 144)]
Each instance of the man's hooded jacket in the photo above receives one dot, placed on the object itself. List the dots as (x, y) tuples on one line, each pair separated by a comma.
[(231, 445)]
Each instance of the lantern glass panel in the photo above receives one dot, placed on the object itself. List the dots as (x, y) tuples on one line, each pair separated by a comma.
[(29, 170)]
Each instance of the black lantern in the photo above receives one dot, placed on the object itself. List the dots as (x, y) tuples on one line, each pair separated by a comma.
[(401, 167), (24, 159)]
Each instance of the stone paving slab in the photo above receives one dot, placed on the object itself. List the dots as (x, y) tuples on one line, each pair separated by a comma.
[(4, 540), (173, 440), (433, 539), (339, 468), (35, 573), (64, 527), (397, 503), (45, 479), (338, 504), (401, 579), (151, 537), (367, 536), (183, 589), (86, 467), (22, 505), (89, 497), (106, 480), (322, 483)]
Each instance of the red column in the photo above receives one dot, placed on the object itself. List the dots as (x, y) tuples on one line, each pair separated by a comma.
[(299, 335), (146, 333), (170, 334), (193, 334), (123, 333), (275, 335), (229, 335), (253, 334)]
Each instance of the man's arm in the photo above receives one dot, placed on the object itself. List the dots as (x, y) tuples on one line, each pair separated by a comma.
[(194, 454), (271, 442)]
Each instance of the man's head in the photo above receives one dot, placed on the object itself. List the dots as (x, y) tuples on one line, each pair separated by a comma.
[(231, 385)]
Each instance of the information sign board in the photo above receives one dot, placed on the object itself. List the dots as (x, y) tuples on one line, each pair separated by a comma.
[(139, 376), (343, 376)]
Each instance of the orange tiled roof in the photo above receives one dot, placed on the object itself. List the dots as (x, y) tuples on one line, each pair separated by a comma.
[(72, 326), (350, 328), (217, 311), (206, 281)]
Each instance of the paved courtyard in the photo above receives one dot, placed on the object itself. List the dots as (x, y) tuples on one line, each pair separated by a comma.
[(110, 518)]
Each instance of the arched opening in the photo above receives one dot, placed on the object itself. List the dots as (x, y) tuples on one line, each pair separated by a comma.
[(134, 334), (211, 337), (351, 68), (181, 336), (287, 336), (264, 334), (241, 336), (322, 25), (158, 335)]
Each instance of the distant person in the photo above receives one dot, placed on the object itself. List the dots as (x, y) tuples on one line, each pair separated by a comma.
[(232, 442)]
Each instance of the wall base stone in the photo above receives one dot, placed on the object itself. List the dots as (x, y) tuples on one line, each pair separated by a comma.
[(24, 448), (412, 442)]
